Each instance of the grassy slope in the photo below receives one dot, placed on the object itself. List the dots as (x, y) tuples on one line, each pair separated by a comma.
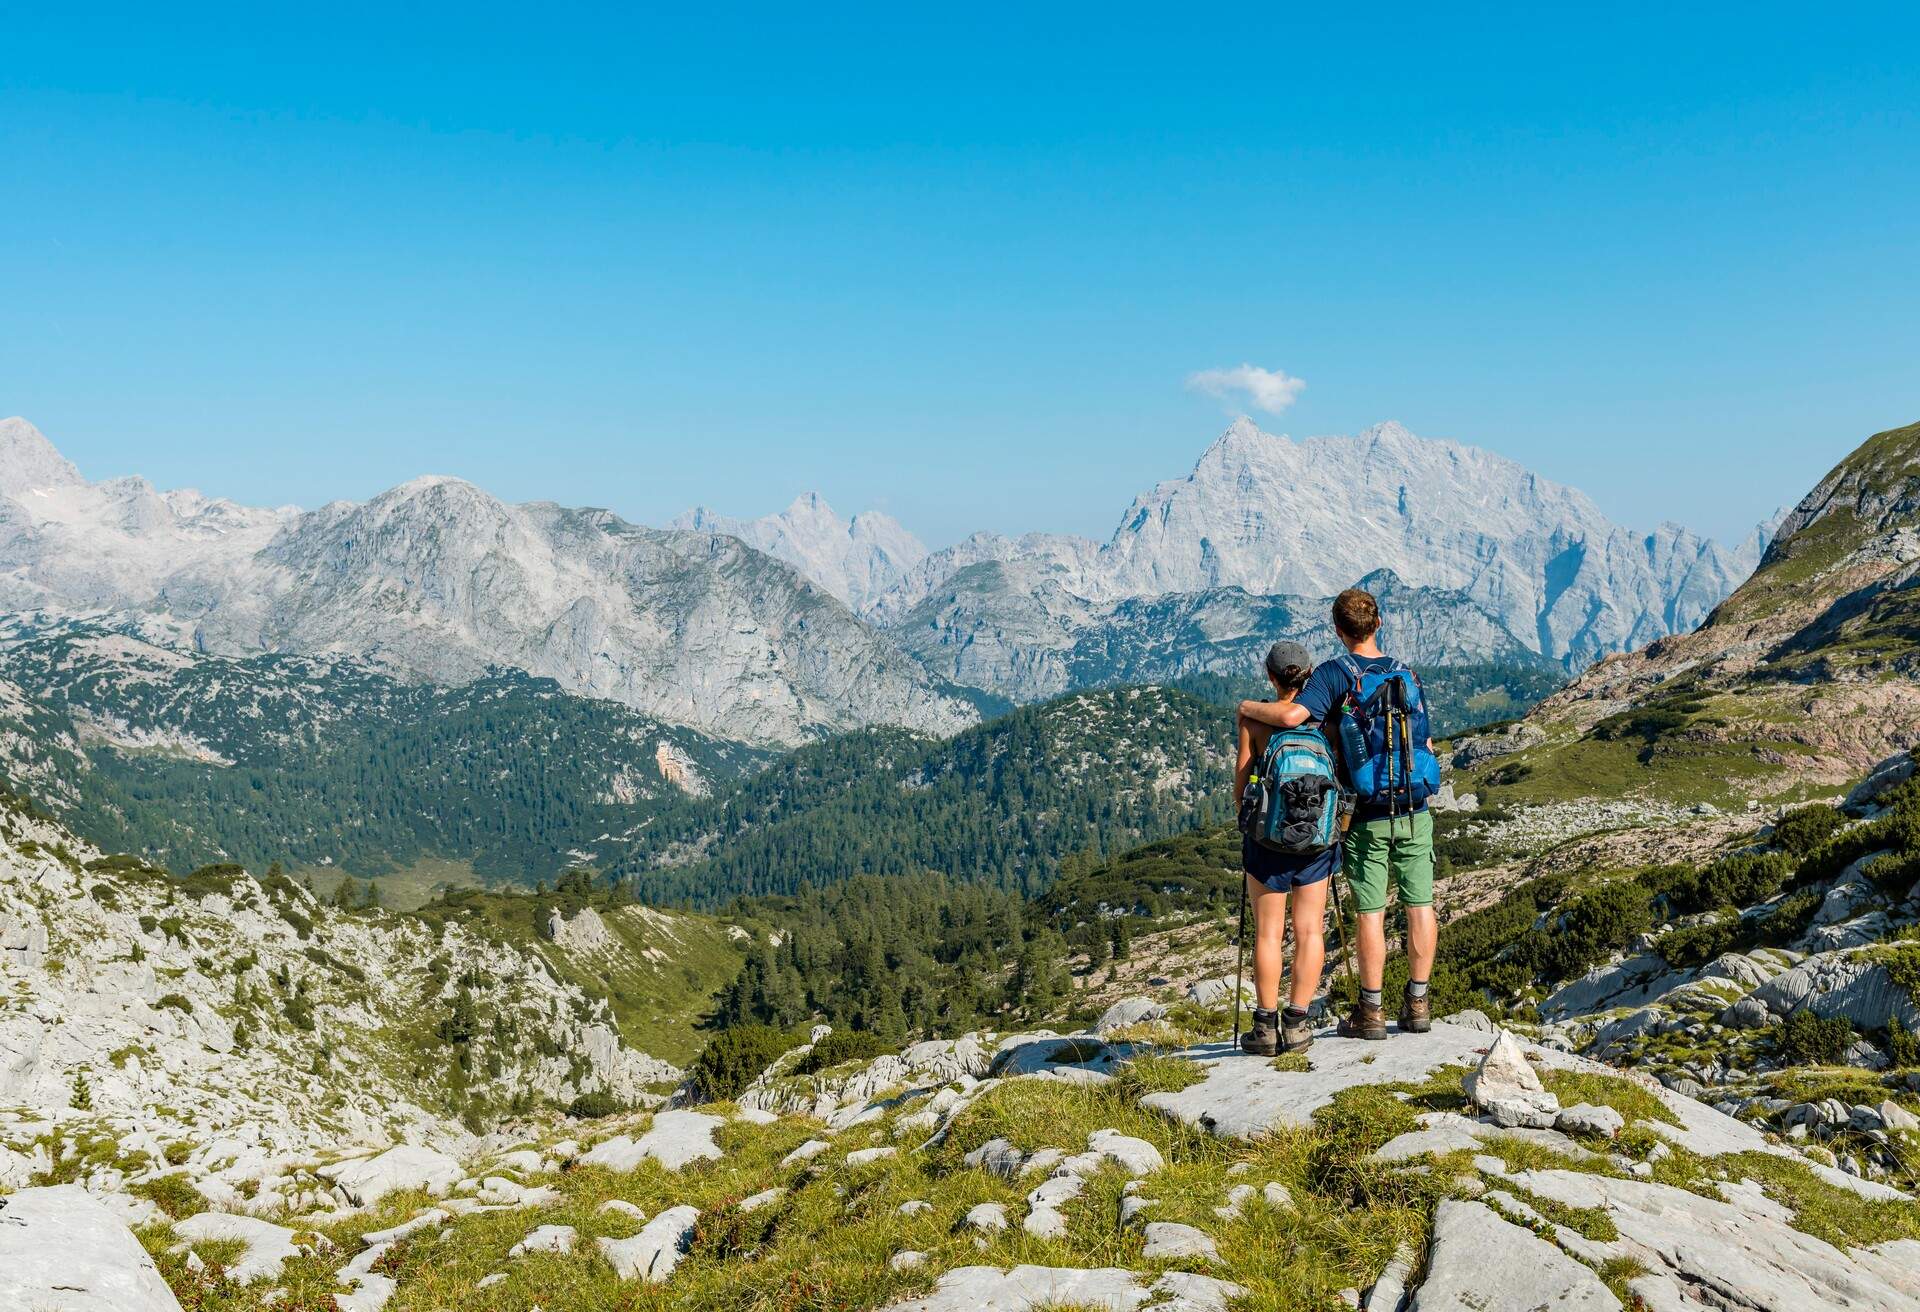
[(661, 975), (1799, 680)]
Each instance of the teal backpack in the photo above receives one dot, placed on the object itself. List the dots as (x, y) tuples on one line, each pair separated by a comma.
[(1293, 799)]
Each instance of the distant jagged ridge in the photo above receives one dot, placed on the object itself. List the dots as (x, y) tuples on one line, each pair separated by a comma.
[(438, 580), (1270, 517)]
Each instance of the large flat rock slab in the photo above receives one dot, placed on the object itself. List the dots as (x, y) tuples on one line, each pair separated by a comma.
[(62, 1251), (1702, 1252), (1029, 1288), (1243, 1097), (674, 1139), (1481, 1263), (409, 1166)]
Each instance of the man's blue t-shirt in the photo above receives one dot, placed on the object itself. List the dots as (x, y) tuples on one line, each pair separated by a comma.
[(1327, 691)]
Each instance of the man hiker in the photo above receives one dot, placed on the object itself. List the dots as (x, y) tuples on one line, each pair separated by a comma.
[(1389, 763)]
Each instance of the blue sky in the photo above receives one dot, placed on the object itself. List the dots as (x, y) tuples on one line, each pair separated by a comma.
[(958, 264)]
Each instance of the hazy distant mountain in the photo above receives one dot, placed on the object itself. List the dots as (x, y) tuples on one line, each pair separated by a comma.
[(436, 579), (857, 560), (1277, 518), (747, 628)]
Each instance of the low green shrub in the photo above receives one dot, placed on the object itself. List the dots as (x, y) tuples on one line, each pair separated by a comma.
[(1809, 1040), (1804, 828), (1903, 1046), (840, 1046), (734, 1057), (591, 1106)]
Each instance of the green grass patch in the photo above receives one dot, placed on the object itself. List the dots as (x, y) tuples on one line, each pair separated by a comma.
[(1624, 1096), (1826, 1211)]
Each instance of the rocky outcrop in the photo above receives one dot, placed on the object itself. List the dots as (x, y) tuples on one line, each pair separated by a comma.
[(62, 1251), (674, 1139), (1031, 1288), (1848, 984), (653, 1253), (1480, 1261), (1699, 1251), (367, 1180), (250, 1026)]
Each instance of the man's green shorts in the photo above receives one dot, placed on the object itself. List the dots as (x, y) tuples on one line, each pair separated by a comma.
[(1370, 858)]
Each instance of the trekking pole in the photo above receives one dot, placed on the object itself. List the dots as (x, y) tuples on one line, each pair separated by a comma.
[(1240, 963), (1340, 935)]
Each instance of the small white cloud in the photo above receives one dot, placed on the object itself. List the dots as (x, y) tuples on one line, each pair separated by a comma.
[(1272, 390)]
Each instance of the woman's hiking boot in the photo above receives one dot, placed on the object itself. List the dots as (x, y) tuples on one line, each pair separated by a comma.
[(1367, 1020), (1416, 1014), (1263, 1040), (1296, 1031)]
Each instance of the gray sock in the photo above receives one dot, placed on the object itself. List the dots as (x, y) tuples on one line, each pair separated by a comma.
[(1417, 988), (1370, 996)]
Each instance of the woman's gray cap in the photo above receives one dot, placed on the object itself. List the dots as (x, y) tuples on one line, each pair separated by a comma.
[(1285, 653)]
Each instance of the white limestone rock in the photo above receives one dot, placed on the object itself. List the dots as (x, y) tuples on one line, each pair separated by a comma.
[(1704, 1250), (652, 1254), (1135, 1156), (806, 1152), (674, 1139), (1389, 1292), (988, 1218), (1586, 1118), (1480, 1262), (1031, 1288), (267, 1246), (1506, 1087), (60, 1249), (546, 1239), (1171, 1239), (366, 1180), (1128, 1011), (754, 1202)]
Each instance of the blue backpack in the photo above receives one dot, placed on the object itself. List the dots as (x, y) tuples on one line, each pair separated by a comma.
[(1383, 736), (1293, 798)]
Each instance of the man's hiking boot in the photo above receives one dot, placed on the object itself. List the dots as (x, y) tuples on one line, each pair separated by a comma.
[(1263, 1040), (1367, 1020), (1296, 1032), (1416, 1014)]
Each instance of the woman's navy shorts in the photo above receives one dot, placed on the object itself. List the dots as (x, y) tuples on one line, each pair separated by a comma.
[(1282, 871)]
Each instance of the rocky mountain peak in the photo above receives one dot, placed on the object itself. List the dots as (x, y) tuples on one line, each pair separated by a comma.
[(29, 462), (855, 561)]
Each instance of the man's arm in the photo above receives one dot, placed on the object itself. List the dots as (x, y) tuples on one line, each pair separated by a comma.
[(1277, 715)]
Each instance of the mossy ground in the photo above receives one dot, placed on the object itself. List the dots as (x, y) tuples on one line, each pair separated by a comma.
[(825, 1244)]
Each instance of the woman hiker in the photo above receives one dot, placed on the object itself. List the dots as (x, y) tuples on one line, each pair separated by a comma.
[(1271, 876)]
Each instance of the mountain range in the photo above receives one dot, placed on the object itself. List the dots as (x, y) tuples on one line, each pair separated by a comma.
[(784, 629)]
